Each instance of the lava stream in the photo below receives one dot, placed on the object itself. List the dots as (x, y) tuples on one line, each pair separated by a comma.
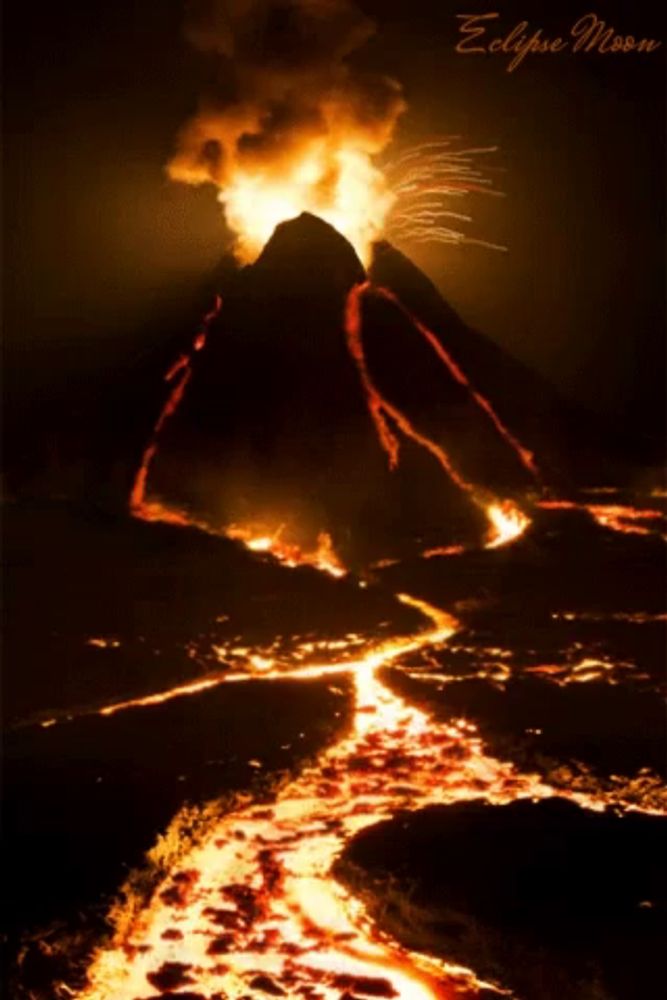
[(140, 506), (506, 520), (254, 905), (525, 456), (616, 517)]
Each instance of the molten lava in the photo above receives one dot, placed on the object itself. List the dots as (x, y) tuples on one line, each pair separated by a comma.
[(323, 557), (506, 519), (525, 456), (253, 908), (616, 517), (507, 523), (180, 374)]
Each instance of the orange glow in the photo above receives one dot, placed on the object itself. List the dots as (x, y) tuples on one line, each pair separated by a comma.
[(140, 505), (617, 517), (356, 203), (508, 522), (525, 456), (257, 539), (379, 406), (443, 550), (252, 904)]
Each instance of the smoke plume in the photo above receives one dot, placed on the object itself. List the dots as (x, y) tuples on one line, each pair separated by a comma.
[(300, 125)]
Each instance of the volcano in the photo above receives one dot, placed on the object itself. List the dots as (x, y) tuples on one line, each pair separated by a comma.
[(326, 402), (343, 418)]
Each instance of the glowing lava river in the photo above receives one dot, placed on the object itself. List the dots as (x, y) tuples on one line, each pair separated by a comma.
[(255, 909)]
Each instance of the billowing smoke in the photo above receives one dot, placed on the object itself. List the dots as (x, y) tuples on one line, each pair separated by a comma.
[(299, 126)]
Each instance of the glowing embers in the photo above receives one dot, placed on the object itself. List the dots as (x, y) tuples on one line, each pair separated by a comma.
[(631, 617), (585, 670), (259, 539)]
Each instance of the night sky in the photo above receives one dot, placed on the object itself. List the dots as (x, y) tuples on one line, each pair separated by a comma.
[(100, 245)]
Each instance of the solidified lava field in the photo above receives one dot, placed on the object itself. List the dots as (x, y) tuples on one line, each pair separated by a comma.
[(443, 779)]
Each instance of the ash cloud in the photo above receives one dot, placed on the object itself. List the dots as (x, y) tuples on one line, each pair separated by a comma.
[(293, 90)]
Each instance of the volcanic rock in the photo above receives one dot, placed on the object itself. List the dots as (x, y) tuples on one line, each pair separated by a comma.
[(547, 899)]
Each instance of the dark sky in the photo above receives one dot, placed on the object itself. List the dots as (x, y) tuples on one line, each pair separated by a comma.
[(98, 242)]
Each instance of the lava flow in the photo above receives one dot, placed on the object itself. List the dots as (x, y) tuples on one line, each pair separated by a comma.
[(616, 517), (506, 519), (525, 456), (253, 908), (255, 538)]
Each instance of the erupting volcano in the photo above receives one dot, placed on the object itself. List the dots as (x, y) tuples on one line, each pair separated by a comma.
[(349, 495), (315, 410)]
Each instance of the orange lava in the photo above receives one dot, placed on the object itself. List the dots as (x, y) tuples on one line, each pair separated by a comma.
[(140, 506), (616, 517), (443, 550), (526, 457), (253, 908), (379, 406), (255, 902), (323, 557), (507, 521)]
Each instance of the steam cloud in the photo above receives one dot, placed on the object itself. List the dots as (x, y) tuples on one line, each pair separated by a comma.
[(294, 101)]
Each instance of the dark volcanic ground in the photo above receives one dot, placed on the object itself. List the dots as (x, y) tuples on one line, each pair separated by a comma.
[(559, 661)]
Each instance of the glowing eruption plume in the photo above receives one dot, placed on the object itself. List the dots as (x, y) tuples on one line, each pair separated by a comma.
[(425, 180), (300, 128)]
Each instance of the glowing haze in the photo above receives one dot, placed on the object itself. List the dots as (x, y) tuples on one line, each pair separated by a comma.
[(290, 125)]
